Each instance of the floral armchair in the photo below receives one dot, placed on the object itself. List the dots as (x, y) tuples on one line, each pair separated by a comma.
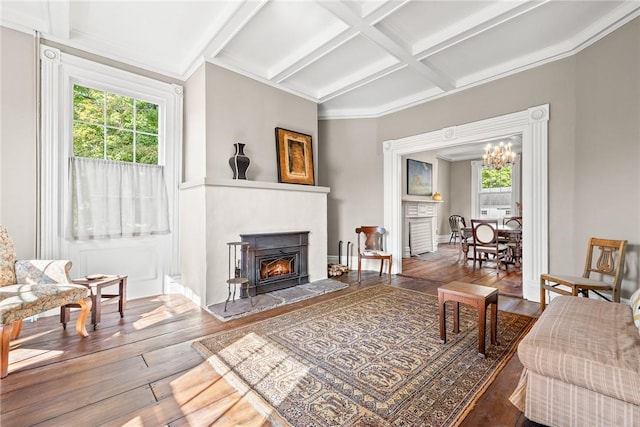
[(30, 287), (13, 271)]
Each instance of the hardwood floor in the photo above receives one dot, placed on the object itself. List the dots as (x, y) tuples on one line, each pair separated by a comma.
[(142, 370)]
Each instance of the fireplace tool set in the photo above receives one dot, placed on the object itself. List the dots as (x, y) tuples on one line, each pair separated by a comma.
[(340, 268)]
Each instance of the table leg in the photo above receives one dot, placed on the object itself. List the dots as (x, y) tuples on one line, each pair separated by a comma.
[(96, 312), (443, 322), (122, 304), (465, 251), (494, 323), (456, 317), (482, 319), (65, 315)]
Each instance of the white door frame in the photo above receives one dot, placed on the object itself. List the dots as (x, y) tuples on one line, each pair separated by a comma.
[(533, 125)]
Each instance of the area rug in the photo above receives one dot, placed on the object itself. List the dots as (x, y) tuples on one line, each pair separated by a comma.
[(245, 306), (370, 358)]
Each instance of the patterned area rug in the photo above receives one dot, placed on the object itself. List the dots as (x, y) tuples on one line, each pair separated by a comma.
[(370, 358)]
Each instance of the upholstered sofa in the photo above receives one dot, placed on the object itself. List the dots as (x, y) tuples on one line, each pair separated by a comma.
[(581, 365), (30, 287)]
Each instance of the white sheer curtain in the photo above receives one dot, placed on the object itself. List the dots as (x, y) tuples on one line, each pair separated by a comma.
[(116, 199)]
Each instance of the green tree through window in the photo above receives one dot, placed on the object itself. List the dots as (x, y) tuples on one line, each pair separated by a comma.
[(114, 127), (496, 178)]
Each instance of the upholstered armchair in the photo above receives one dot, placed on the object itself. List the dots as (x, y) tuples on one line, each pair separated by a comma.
[(30, 287), (13, 271)]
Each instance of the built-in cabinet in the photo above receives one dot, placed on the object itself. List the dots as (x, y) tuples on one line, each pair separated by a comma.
[(420, 227)]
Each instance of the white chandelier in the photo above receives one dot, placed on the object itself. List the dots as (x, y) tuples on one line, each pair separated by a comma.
[(499, 156)]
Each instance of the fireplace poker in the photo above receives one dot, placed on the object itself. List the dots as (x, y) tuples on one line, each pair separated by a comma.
[(340, 252), (350, 254), (348, 247)]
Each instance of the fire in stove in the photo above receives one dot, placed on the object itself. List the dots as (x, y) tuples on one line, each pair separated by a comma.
[(278, 267)]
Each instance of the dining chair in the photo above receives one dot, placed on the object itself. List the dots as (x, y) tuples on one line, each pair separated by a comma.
[(605, 261), (486, 242), (456, 231), (373, 247), (512, 221), (512, 240)]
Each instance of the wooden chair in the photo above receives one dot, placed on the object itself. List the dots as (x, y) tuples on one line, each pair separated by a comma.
[(609, 262), (513, 221), (373, 247), (454, 223), (485, 241), (513, 241)]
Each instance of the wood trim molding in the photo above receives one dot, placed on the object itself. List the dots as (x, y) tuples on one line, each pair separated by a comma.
[(533, 125)]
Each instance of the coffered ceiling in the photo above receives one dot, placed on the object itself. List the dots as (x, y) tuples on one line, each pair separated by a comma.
[(357, 58)]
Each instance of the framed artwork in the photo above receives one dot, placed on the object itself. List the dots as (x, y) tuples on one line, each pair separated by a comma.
[(419, 181), (295, 157)]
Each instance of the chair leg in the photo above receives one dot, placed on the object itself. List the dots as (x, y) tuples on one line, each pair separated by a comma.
[(359, 269), (17, 328), (389, 271), (543, 295), (6, 331), (381, 267)]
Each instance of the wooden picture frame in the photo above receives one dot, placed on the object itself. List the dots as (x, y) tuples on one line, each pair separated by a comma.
[(295, 157), (419, 178)]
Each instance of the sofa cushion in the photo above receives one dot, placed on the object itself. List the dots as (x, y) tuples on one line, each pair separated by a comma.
[(7, 259), (634, 302), (590, 343)]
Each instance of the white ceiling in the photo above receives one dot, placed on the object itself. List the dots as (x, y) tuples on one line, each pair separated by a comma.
[(354, 58)]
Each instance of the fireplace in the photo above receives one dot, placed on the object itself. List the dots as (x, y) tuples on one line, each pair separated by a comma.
[(276, 261)]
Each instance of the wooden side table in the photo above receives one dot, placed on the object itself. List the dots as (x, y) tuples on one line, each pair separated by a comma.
[(95, 286), (475, 295)]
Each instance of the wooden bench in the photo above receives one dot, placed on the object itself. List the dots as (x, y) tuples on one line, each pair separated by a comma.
[(20, 301)]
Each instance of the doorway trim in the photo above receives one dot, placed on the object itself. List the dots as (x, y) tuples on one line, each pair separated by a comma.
[(532, 123)]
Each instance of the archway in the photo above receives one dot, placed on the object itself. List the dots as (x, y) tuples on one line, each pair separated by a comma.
[(533, 125)]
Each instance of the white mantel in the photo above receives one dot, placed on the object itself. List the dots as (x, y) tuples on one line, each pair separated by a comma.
[(234, 207)]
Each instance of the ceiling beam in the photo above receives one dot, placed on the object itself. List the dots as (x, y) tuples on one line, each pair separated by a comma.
[(313, 56), (375, 16), (239, 18), (434, 75), (485, 20)]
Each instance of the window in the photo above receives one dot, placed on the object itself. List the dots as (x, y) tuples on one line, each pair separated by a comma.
[(495, 193), (117, 187), (114, 127), (108, 136)]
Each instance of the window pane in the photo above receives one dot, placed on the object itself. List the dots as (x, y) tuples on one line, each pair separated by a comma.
[(146, 117), (88, 105), (119, 111), (493, 178), (88, 141), (147, 149), (119, 145), (495, 205)]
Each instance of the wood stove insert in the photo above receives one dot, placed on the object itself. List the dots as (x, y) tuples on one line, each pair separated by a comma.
[(276, 261)]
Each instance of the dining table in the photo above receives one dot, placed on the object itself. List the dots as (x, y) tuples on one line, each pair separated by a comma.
[(512, 234)]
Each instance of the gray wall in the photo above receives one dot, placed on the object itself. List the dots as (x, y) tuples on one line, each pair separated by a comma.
[(18, 172), (351, 164), (460, 186), (594, 150), (247, 111)]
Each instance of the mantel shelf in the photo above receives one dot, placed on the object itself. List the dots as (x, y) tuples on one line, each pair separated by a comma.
[(420, 199), (245, 183)]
